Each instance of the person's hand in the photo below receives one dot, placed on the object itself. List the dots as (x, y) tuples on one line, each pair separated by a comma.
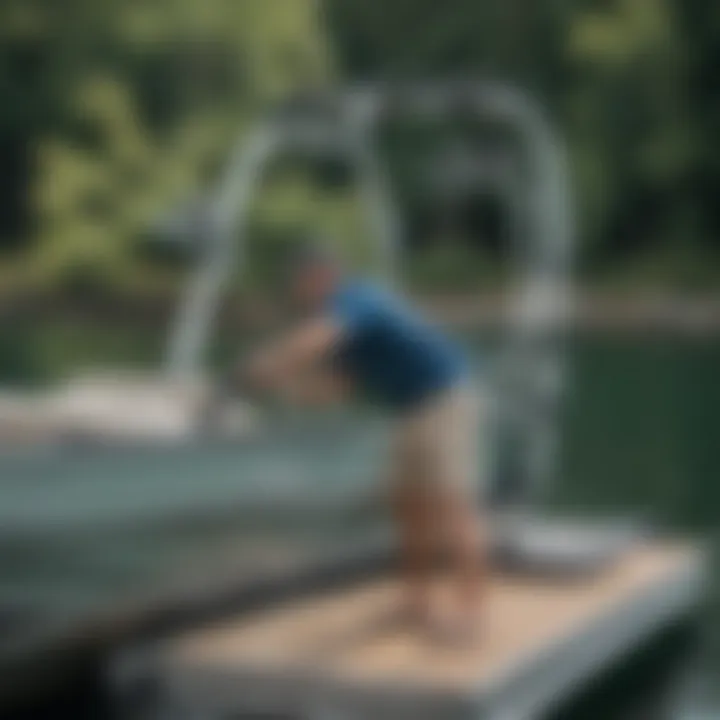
[(261, 371)]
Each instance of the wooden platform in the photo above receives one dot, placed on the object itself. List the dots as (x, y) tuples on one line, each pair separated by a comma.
[(337, 653)]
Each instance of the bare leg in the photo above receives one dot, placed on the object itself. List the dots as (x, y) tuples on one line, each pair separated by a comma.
[(463, 537), (415, 520), (469, 551), (464, 533)]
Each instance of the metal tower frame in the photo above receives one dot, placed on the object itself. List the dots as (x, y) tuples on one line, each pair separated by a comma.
[(528, 377)]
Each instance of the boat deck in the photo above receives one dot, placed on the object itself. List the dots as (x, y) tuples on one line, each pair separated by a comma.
[(339, 651)]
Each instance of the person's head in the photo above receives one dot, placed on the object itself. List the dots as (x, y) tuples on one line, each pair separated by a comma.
[(314, 273)]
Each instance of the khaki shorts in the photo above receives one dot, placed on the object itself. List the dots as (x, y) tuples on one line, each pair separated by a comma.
[(440, 442)]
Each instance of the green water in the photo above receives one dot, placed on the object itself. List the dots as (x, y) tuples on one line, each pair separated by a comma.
[(640, 437)]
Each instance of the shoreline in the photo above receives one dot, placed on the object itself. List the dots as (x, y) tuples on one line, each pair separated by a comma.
[(592, 310), (597, 312)]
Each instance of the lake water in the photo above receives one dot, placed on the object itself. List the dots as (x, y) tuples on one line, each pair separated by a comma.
[(77, 530)]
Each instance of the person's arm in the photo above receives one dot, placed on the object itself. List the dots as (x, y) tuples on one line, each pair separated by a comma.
[(295, 352), (318, 387)]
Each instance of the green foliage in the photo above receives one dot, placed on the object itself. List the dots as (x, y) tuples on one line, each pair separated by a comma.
[(451, 267), (292, 205), (115, 111), (628, 82), (134, 104)]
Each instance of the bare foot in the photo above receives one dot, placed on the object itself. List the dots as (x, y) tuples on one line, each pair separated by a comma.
[(455, 629), (408, 614)]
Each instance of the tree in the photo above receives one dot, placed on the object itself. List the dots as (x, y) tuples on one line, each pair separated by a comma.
[(630, 84), (134, 104)]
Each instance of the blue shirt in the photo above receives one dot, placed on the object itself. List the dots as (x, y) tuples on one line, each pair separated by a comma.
[(389, 350)]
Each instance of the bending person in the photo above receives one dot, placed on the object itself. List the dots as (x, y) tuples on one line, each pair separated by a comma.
[(376, 345)]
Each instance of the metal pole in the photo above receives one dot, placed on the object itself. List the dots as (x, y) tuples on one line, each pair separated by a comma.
[(225, 228), (374, 184)]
